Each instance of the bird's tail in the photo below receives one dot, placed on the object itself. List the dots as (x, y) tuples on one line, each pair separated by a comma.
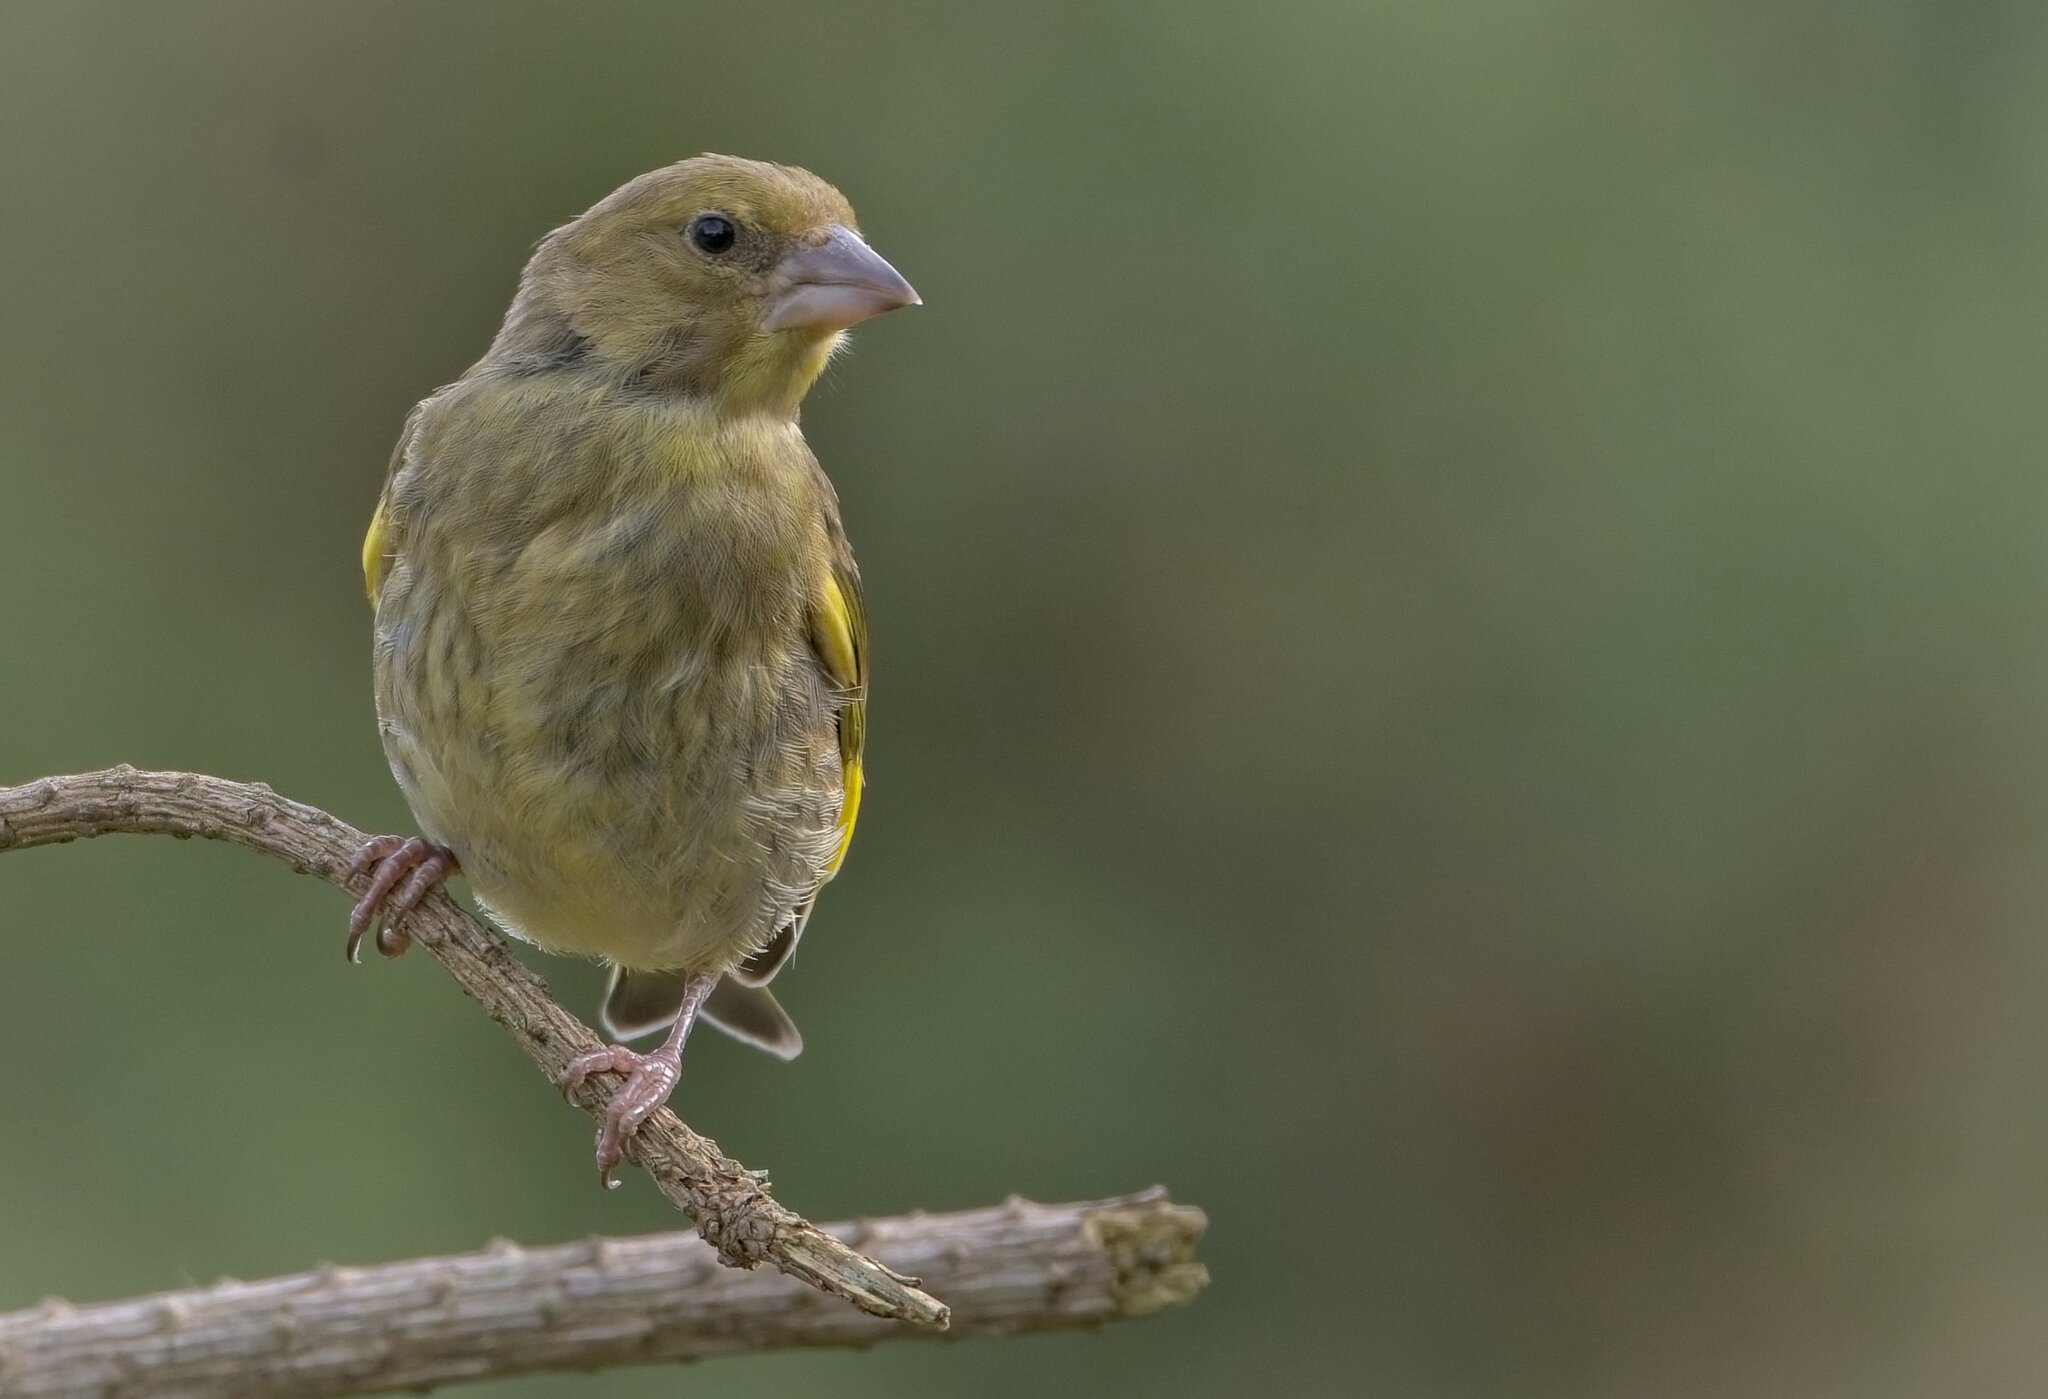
[(639, 1003)]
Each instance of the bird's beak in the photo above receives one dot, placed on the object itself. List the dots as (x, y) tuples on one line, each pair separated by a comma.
[(838, 283)]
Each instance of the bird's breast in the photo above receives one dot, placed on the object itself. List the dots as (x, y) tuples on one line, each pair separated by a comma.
[(605, 700)]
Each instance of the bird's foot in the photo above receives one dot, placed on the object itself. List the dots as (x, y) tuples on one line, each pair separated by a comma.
[(406, 872), (650, 1078)]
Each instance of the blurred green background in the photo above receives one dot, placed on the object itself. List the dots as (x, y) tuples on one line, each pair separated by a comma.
[(1461, 631)]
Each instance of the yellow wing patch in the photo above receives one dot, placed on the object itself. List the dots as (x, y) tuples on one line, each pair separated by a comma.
[(839, 632), (373, 553), (834, 634), (378, 543), (848, 814)]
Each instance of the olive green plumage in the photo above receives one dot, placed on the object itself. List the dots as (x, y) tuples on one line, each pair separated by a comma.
[(620, 651)]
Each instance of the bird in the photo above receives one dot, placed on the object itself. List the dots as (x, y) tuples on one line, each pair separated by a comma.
[(620, 651)]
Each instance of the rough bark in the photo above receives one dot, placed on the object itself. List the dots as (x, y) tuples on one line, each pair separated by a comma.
[(511, 1310)]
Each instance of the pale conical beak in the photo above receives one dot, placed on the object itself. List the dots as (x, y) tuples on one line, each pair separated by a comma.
[(837, 284)]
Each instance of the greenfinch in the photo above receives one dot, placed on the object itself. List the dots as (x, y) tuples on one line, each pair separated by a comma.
[(620, 653)]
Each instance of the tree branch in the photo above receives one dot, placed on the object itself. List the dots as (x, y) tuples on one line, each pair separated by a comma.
[(512, 1311), (730, 1204)]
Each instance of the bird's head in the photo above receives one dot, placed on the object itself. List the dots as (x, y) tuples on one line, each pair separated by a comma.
[(728, 279)]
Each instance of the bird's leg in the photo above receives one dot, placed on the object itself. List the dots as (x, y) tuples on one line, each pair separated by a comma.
[(650, 1078), (407, 871)]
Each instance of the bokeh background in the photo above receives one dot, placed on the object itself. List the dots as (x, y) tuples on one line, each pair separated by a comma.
[(1461, 632)]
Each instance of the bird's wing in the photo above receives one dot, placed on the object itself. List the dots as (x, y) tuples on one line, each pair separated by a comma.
[(839, 633), (379, 544), (839, 639)]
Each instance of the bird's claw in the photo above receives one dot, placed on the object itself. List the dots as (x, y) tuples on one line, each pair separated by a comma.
[(407, 870), (650, 1079)]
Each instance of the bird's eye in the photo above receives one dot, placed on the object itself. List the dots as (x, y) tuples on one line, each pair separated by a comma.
[(713, 233)]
